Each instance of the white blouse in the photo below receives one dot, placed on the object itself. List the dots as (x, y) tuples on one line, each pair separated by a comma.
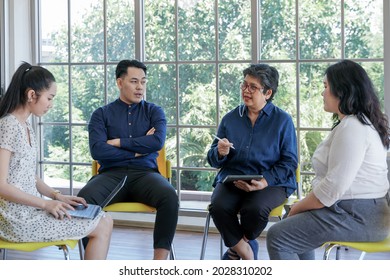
[(350, 164)]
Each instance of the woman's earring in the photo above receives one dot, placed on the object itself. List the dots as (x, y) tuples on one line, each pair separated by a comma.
[(29, 100)]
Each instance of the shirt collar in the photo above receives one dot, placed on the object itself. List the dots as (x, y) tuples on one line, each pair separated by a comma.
[(267, 109), (122, 103)]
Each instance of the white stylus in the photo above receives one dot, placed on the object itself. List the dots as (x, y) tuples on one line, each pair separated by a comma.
[(216, 137)]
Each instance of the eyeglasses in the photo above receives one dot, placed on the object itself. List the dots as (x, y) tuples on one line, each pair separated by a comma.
[(251, 88)]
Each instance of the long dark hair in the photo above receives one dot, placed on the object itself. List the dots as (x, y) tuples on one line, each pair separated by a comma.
[(349, 82), (25, 78)]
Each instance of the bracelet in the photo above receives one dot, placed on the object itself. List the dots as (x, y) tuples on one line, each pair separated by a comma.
[(55, 193)]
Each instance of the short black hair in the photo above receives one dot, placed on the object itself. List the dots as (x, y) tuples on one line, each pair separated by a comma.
[(121, 68), (267, 75)]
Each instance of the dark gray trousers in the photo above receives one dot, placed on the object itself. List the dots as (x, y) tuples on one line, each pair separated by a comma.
[(143, 185), (297, 237), (254, 207)]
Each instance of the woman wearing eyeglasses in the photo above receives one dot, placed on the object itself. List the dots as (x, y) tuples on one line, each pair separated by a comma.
[(255, 138)]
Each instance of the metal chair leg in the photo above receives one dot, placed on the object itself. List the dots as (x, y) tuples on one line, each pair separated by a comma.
[(4, 254), (362, 256), (66, 252), (328, 249), (172, 254), (205, 236), (81, 249), (221, 248), (338, 252)]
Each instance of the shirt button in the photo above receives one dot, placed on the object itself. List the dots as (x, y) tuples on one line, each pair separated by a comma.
[(129, 123), (130, 136)]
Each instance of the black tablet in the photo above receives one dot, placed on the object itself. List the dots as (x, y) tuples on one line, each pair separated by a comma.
[(246, 178)]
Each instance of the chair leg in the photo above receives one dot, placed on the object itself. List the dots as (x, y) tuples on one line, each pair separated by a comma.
[(66, 252), (172, 254), (221, 251), (338, 252), (205, 236), (4, 254), (362, 256), (328, 249), (81, 249)]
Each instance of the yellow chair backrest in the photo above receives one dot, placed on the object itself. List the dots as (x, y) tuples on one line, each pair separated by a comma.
[(279, 211), (164, 165)]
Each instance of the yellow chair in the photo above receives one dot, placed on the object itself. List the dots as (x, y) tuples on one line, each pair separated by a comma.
[(277, 212), (33, 246), (164, 167), (364, 247)]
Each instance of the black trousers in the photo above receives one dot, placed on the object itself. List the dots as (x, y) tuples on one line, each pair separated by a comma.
[(254, 207), (147, 186)]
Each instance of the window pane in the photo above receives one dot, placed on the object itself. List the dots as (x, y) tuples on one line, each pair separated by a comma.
[(312, 112), (54, 30), (234, 32), (87, 23), (364, 29), (197, 180), (306, 183), (375, 71), (197, 94), (56, 143), (120, 30), (309, 142), (57, 175), (230, 76), (319, 29), (160, 38), (161, 89), (81, 175), (112, 88), (194, 144), (171, 145), (60, 110), (87, 91), (80, 144), (196, 29), (286, 95), (277, 29)]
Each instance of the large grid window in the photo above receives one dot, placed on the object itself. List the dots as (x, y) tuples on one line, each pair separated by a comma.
[(195, 51)]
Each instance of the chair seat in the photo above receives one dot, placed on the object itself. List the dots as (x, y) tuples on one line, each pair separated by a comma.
[(32, 246), (369, 247), (280, 210), (129, 207)]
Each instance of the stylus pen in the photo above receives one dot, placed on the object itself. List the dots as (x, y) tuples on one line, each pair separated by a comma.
[(216, 137)]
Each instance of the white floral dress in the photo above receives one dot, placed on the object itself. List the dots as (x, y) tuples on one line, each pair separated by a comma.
[(21, 223)]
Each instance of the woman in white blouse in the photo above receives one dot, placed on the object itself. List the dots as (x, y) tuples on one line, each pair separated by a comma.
[(349, 200)]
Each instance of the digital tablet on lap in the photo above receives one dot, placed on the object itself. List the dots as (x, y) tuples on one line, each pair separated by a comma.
[(246, 178)]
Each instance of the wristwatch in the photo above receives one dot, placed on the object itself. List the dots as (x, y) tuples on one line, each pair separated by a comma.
[(55, 192)]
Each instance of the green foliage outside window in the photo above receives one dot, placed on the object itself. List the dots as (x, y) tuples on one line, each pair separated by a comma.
[(195, 75)]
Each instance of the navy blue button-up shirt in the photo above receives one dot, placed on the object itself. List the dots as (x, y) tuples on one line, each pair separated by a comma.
[(268, 148), (130, 123)]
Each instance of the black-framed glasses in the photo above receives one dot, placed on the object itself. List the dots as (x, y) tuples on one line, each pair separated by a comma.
[(251, 88)]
